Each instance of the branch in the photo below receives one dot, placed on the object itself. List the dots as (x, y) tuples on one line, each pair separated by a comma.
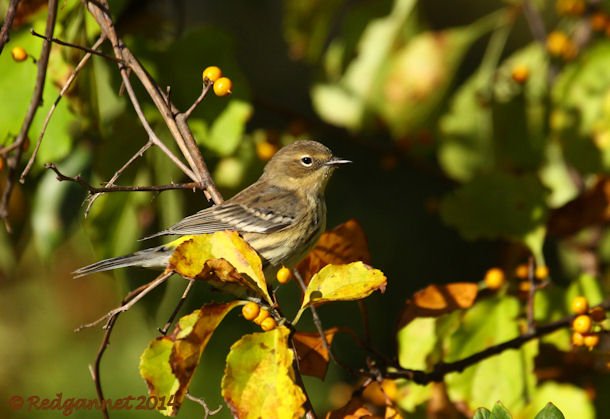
[(441, 369), (8, 22), (35, 102), (115, 188), (91, 51)]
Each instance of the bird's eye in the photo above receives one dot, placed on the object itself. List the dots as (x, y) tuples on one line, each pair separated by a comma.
[(306, 161)]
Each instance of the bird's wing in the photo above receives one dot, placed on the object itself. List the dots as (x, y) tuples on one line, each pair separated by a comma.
[(250, 211)]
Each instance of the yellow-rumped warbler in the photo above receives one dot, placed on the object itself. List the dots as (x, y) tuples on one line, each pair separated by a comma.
[(281, 215)]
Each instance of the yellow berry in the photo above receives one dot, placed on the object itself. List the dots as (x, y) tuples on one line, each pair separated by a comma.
[(598, 314), (211, 73), (591, 340), (520, 73), (582, 324), (223, 86), (542, 272), (522, 271), (250, 311), (578, 339), (580, 305), (261, 316), (525, 286), (268, 324), (283, 275), (265, 150), (19, 54), (559, 45), (494, 278), (570, 7)]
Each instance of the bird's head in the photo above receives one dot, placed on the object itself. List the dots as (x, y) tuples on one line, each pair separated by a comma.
[(305, 165)]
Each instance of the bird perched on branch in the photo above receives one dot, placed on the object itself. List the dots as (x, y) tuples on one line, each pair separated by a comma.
[(281, 215)]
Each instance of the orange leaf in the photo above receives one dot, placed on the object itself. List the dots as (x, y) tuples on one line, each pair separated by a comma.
[(313, 356), (354, 409), (436, 300), (344, 244)]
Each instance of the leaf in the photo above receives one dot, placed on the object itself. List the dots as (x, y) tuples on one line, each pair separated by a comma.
[(482, 413), (550, 411), (169, 362), (259, 379), (506, 376), (354, 409), (500, 412), (569, 400), (227, 130), (313, 356), (224, 259), (499, 205), (342, 283), (345, 243), (436, 300)]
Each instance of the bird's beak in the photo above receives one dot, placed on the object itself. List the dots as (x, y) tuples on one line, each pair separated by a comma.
[(336, 161)]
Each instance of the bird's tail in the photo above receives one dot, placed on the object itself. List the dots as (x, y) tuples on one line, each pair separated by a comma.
[(155, 257)]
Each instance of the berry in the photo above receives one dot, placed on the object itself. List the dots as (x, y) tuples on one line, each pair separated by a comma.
[(223, 86), (283, 275), (494, 278), (265, 150), (522, 271), (520, 73), (580, 305), (19, 54), (570, 7), (525, 286), (211, 73), (268, 324), (250, 311), (582, 324), (578, 339), (542, 272), (599, 21), (261, 316), (591, 340), (559, 45), (598, 314)]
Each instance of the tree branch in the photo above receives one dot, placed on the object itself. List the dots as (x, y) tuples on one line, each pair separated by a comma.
[(11, 11)]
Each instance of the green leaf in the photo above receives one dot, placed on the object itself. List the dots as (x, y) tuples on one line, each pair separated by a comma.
[(353, 281), (569, 401), (500, 412), (259, 378), (236, 267), (499, 205), (506, 376), (550, 411), (415, 342), (228, 128), (482, 413), (169, 362)]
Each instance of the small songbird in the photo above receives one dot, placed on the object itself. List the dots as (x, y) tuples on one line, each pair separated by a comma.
[(281, 215)]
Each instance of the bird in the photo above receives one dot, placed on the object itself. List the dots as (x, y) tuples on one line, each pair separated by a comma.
[(281, 215)]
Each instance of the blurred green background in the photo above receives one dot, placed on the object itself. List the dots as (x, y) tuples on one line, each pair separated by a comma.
[(466, 133)]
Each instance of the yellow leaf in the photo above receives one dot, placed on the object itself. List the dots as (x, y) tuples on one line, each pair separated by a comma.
[(259, 379)]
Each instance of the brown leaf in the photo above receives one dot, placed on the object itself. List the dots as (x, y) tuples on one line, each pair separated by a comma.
[(436, 300), (313, 356), (344, 244), (590, 208), (354, 409)]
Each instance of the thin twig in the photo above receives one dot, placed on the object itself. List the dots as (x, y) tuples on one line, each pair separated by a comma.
[(35, 102), (62, 92), (204, 92), (202, 403), (535, 22), (531, 295), (172, 316), (298, 378), (441, 369), (90, 51), (11, 11), (117, 188)]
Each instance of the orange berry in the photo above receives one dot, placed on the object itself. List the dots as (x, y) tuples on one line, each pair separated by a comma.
[(223, 86), (591, 340), (582, 324), (265, 150), (262, 315), (557, 43), (578, 339), (599, 21), (283, 275), (19, 54), (211, 73), (268, 324), (580, 305), (525, 286), (494, 278), (598, 314), (570, 7), (520, 73), (522, 271), (542, 272), (250, 311)]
